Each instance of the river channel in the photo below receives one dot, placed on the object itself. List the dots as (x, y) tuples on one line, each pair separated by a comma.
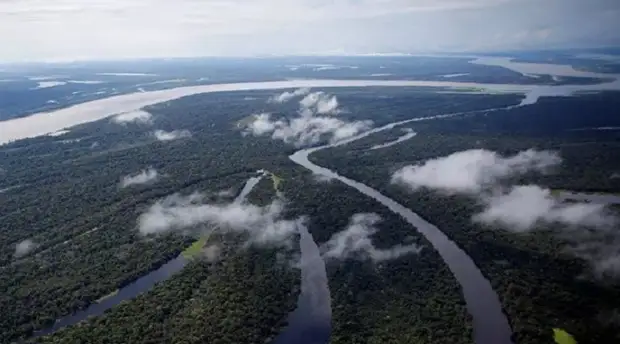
[(140, 285), (490, 324)]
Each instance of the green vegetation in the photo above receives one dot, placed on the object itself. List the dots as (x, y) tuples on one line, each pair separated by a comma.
[(194, 250), (69, 189), (537, 280), (412, 299), (563, 337), (276, 182), (221, 302)]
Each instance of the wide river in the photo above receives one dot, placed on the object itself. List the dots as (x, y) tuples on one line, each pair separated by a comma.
[(490, 324), (49, 122)]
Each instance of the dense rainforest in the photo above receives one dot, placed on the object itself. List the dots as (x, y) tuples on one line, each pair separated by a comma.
[(541, 284), (86, 245)]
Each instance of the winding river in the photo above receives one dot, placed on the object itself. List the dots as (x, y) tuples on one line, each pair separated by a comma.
[(50, 122), (140, 285), (490, 324)]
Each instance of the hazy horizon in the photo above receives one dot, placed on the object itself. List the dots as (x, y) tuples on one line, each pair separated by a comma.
[(71, 30)]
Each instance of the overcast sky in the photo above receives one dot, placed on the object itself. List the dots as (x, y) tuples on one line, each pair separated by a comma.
[(103, 29)]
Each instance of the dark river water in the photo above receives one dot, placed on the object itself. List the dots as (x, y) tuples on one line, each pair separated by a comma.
[(128, 292), (140, 285), (490, 324), (310, 323)]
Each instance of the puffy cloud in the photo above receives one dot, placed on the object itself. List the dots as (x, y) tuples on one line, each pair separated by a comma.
[(162, 135), (354, 241), (524, 207), (320, 103), (286, 96), (473, 170), (139, 116), (263, 224), (309, 127), (262, 124), (143, 177), (211, 252), (24, 247), (306, 129), (319, 178), (587, 228)]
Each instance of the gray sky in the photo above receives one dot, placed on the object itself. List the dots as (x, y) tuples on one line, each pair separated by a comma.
[(102, 29)]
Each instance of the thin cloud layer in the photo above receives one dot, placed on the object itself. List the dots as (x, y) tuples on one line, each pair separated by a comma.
[(125, 29), (313, 123), (589, 230), (141, 117), (473, 170), (602, 252), (287, 96), (525, 207), (163, 135), (143, 177), (177, 213), (354, 241), (24, 247)]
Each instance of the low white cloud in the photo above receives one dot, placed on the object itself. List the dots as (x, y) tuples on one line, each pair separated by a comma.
[(287, 96), (139, 116), (24, 247), (587, 229), (471, 171), (262, 124), (163, 135), (601, 249), (306, 129), (526, 206), (143, 177), (319, 178), (263, 224), (313, 123), (354, 241), (211, 253), (319, 103)]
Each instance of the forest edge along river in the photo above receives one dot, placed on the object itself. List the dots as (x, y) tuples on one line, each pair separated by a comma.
[(49, 122), (490, 324), (141, 284)]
